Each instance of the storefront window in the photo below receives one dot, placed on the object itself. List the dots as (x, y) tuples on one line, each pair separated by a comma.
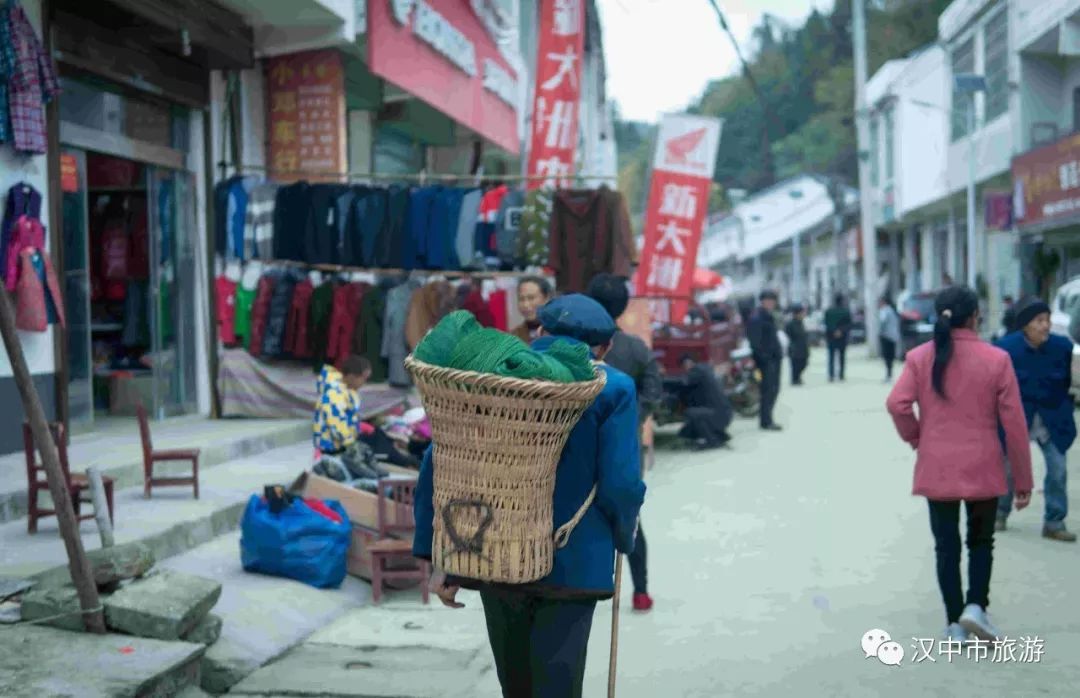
[(996, 65), (98, 105), (963, 61)]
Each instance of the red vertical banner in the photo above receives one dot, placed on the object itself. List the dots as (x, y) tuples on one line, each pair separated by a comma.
[(306, 120), (559, 56), (675, 215)]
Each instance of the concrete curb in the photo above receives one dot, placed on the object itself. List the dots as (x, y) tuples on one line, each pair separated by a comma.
[(13, 505), (173, 541)]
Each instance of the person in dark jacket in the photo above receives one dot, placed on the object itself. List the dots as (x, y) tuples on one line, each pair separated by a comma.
[(1008, 318), (799, 343), (539, 632), (1043, 364), (632, 356), (708, 411), (837, 330), (768, 355)]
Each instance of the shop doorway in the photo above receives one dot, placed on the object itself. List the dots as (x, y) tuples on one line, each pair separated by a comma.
[(130, 279)]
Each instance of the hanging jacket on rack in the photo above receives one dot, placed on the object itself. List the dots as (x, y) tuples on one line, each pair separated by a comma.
[(27, 70), (465, 244), (223, 193), (532, 247), (508, 228), (345, 245), (443, 228), (343, 318), (590, 233), (22, 200), (322, 303), (485, 226), (259, 222), (368, 333), (38, 302), (292, 221), (138, 250), (366, 221), (322, 238), (260, 311), (297, 340), (394, 346), (273, 345), (390, 249), (431, 303), (417, 227), (225, 297)]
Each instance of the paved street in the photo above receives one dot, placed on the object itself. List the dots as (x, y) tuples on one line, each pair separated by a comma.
[(768, 564)]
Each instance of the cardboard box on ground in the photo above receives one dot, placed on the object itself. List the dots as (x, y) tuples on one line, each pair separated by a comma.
[(363, 510)]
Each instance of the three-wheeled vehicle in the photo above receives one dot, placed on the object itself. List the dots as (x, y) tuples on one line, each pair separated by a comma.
[(712, 334)]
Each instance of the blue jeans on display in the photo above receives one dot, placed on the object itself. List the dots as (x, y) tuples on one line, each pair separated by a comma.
[(1057, 500)]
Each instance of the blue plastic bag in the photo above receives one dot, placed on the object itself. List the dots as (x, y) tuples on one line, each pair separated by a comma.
[(298, 543)]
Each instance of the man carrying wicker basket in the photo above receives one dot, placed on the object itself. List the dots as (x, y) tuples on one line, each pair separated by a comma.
[(539, 631)]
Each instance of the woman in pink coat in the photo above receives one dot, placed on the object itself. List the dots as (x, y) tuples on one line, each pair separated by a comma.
[(966, 391)]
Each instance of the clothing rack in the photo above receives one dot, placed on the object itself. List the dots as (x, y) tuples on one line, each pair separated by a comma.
[(419, 176), (446, 273)]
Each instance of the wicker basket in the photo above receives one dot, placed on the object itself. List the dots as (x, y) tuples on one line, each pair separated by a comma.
[(497, 445)]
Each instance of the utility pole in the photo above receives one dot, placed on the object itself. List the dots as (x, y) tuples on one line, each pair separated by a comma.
[(866, 222), (78, 564), (840, 240)]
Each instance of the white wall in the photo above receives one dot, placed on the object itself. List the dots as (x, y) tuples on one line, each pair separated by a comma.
[(993, 154), (37, 346), (922, 131)]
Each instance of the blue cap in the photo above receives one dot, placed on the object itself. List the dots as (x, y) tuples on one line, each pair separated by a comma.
[(578, 317)]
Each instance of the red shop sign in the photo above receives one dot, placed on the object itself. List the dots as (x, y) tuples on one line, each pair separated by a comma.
[(439, 51), (678, 203), (559, 55), (1047, 182)]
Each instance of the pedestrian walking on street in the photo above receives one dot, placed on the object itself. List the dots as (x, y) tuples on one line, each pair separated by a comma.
[(768, 355), (532, 293), (964, 389), (539, 631), (889, 321), (837, 329), (799, 347), (1043, 364), (633, 357)]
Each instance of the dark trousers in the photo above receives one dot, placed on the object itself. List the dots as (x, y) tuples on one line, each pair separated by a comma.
[(705, 424), (888, 355), (539, 644), (798, 365), (639, 571), (837, 352), (770, 390), (945, 525)]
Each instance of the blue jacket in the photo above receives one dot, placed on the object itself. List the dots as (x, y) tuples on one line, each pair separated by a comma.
[(603, 449), (1045, 376)]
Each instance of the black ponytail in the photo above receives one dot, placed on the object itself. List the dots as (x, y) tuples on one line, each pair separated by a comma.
[(955, 307)]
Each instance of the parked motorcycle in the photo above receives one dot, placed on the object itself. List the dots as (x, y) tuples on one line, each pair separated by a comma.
[(743, 385)]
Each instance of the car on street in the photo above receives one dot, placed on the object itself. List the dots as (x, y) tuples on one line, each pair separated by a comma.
[(1065, 320)]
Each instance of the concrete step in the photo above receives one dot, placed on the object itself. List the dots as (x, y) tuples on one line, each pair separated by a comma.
[(36, 661), (171, 523), (117, 451)]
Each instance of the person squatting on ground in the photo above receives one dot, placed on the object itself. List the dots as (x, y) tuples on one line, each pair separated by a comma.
[(539, 632), (837, 330), (708, 412), (336, 425), (889, 334), (799, 346), (1043, 365), (964, 389), (633, 357), (532, 293), (768, 355)]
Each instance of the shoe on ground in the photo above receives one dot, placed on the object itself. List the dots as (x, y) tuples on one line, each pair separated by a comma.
[(772, 427), (643, 602), (976, 621), (1059, 534), (956, 633), (1000, 525)]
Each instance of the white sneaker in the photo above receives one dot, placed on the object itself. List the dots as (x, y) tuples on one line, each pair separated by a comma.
[(977, 622), (956, 633)]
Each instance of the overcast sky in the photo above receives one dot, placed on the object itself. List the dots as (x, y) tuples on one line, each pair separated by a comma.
[(661, 53)]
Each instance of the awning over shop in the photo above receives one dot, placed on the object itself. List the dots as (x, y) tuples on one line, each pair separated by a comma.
[(439, 51)]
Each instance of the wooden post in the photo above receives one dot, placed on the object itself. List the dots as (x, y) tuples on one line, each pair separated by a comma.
[(81, 574), (101, 506)]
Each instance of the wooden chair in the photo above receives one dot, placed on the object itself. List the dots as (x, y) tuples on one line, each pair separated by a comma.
[(388, 548), (150, 457), (38, 482)]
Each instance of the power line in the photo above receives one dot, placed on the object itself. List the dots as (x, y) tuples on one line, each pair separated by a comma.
[(766, 145)]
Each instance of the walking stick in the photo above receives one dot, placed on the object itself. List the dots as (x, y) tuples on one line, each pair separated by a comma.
[(614, 628)]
